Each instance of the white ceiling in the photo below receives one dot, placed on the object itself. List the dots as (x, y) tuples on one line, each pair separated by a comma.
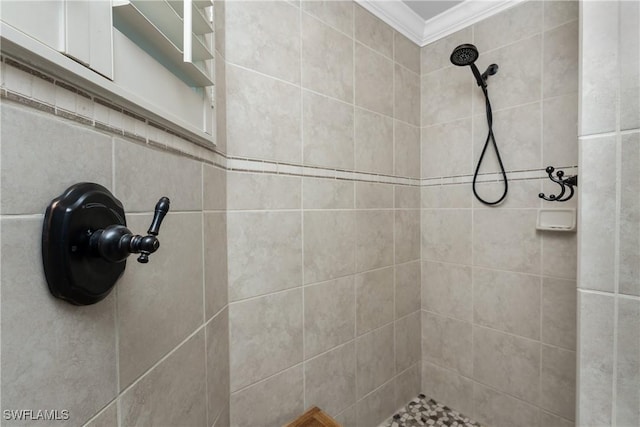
[(427, 9)]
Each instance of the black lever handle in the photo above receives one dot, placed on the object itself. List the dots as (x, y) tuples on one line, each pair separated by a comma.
[(115, 243), (149, 244), (162, 207)]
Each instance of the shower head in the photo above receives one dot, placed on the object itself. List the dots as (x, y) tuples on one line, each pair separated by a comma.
[(467, 54), (463, 55)]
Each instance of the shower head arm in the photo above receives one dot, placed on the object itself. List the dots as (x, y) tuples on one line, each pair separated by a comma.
[(479, 79)]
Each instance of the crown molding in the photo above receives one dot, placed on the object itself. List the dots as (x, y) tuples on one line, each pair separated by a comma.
[(399, 16), (407, 22)]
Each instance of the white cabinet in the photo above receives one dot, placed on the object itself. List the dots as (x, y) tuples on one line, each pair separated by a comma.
[(153, 56)]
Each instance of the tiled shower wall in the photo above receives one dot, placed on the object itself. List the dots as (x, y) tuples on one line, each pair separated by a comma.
[(499, 297), (609, 274), (155, 351), (324, 270)]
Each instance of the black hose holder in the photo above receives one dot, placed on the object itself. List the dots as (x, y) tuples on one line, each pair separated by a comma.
[(85, 242)]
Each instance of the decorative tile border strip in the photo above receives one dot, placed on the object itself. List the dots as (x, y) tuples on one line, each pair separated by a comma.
[(518, 175), (35, 89), (20, 82)]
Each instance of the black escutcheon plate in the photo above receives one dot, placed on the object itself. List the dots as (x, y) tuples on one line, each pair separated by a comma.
[(72, 272)]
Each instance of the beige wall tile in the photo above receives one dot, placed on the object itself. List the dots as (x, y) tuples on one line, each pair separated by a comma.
[(376, 407), (49, 346), (261, 191), (629, 240), (265, 336), (408, 385), (338, 14), (517, 133), (318, 193), (183, 186), (406, 52), (215, 262), (407, 235), (256, 38), (107, 418), (173, 392), (559, 12), (549, 420), (371, 195), (521, 194), (436, 55), (445, 95), (516, 23), (327, 131), (595, 358), (506, 240), (406, 150), (558, 381), (561, 60), (446, 290), (373, 32), (559, 254), (27, 154), (446, 149), (597, 200), (509, 302), (447, 196), (506, 362), (408, 348), (520, 76), (374, 361), (407, 296), (374, 239), (446, 235), (329, 315), (448, 386), (407, 95), (373, 81), (559, 300), (628, 363), (374, 299), (374, 142), (329, 245), (629, 65), (214, 188), (263, 117), (327, 60), (275, 401), (500, 410), (330, 379), (599, 31), (440, 349), (217, 336), (165, 299), (560, 130), (406, 197), (347, 418), (264, 252)]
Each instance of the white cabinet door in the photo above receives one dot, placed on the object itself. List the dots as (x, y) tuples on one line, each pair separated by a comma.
[(88, 34)]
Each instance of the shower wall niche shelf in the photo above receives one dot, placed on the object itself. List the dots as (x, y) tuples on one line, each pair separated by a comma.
[(556, 219)]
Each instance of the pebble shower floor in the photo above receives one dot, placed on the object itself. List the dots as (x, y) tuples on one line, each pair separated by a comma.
[(423, 412)]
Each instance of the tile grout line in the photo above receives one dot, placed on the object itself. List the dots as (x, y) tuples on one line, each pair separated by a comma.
[(302, 195)]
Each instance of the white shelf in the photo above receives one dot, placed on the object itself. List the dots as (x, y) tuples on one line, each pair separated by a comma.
[(161, 28), (201, 24)]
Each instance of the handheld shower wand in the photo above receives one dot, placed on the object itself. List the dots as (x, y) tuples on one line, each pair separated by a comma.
[(467, 54)]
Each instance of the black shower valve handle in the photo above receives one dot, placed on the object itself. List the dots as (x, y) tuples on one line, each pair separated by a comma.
[(149, 244), (161, 210), (115, 243)]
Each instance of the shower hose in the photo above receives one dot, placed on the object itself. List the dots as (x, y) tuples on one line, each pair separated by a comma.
[(490, 138)]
